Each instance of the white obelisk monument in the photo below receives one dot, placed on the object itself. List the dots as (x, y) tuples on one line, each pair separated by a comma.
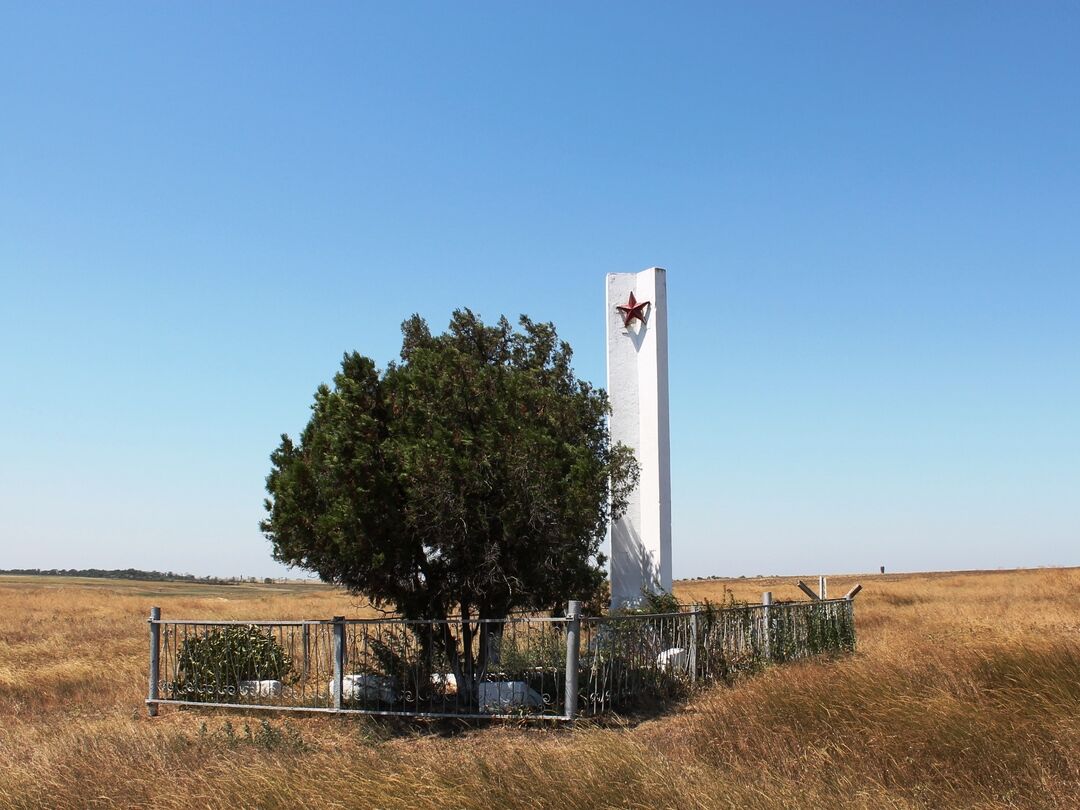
[(637, 385)]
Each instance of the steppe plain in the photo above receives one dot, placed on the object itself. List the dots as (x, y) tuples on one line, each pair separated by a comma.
[(964, 692)]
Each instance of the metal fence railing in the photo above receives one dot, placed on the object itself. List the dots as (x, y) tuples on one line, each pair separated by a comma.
[(522, 666), (628, 659)]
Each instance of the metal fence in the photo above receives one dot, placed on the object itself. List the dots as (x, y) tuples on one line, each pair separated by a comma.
[(527, 666), (629, 660)]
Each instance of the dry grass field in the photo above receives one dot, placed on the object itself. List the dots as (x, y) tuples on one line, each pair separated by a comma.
[(964, 693)]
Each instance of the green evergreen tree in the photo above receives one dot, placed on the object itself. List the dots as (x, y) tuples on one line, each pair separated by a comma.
[(473, 478)]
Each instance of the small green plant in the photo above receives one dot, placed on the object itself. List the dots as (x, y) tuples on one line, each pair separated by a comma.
[(520, 654), (272, 738), (650, 603), (210, 667), (266, 736)]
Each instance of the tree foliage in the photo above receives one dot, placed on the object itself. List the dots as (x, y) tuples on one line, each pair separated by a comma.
[(473, 478)]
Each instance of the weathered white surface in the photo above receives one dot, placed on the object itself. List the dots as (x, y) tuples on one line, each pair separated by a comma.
[(637, 384), (446, 681), (676, 658), (260, 688), (505, 696), (366, 687)]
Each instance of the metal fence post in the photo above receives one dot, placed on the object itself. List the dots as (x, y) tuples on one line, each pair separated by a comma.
[(692, 662), (155, 661), (766, 610), (573, 636), (305, 636), (849, 605), (339, 660), (823, 588)]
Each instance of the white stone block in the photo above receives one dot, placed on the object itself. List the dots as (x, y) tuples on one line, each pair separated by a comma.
[(507, 696), (674, 659), (366, 687), (260, 688), (446, 681)]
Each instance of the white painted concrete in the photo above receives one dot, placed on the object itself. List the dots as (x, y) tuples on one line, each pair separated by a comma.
[(366, 687), (676, 659), (637, 385), (505, 696), (260, 688), (445, 681)]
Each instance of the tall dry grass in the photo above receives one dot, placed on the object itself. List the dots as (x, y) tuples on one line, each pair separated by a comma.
[(964, 692)]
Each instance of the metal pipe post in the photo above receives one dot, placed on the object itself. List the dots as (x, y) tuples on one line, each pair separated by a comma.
[(692, 662), (155, 661), (573, 637), (305, 635), (766, 601), (339, 660)]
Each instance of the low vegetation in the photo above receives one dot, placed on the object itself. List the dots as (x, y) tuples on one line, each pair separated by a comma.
[(964, 692), (126, 573), (209, 665)]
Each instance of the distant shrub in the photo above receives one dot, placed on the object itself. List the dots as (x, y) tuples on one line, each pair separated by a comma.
[(210, 667)]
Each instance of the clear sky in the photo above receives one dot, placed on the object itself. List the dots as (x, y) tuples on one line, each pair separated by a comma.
[(869, 213)]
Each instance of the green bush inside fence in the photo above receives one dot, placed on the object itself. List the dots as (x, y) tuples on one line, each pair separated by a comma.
[(211, 666)]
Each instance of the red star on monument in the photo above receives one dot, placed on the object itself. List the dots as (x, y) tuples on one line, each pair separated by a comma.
[(633, 310)]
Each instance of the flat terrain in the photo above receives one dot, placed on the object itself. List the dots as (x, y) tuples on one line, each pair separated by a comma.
[(964, 692)]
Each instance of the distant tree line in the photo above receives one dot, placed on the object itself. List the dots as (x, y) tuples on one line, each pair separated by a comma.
[(127, 573)]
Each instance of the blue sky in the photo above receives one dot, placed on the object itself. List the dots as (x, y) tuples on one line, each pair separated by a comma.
[(868, 212)]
